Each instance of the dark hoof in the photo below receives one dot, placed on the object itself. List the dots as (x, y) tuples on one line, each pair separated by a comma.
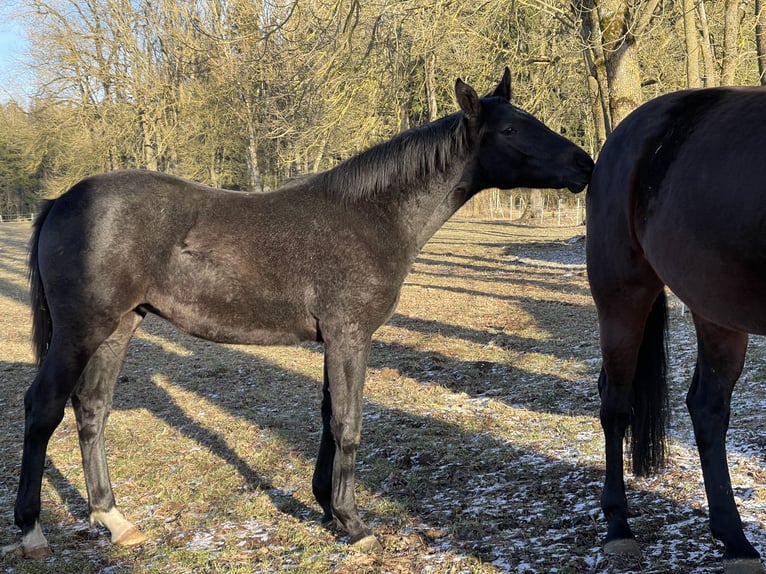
[(623, 547), (368, 544), (743, 566)]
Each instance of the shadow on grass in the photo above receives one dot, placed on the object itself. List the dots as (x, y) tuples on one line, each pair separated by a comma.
[(464, 490), (473, 492)]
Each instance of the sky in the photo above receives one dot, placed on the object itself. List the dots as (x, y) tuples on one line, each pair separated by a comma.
[(13, 52)]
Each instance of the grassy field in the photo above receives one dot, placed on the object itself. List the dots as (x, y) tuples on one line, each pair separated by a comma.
[(481, 447)]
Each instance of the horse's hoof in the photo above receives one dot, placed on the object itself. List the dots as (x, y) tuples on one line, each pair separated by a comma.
[(37, 552), (623, 547), (368, 544), (743, 566), (131, 537)]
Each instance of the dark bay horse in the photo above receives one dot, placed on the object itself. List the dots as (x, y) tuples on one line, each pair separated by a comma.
[(323, 259), (678, 199)]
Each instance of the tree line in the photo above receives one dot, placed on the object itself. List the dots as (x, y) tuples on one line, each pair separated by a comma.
[(244, 94)]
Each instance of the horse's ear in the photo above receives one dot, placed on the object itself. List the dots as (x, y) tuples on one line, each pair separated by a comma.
[(468, 99), (503, 89)]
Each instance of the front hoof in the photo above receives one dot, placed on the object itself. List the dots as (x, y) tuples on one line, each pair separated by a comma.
[(623, 547), (131, 537), (743, 566), (37, 552), (368, 544)]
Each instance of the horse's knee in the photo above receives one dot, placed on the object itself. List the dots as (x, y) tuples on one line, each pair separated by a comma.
[(91, 417), (347, 439)]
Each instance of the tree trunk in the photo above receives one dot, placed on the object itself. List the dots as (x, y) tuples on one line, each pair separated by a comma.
[(611, 27), (691, 39), (710, 75), (596, 78), (760, 38), (256, 181), (734, 13), (430, 70), (622, 69), (534, 208)]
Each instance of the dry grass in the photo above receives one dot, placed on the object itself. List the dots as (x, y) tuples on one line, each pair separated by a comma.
[(481, 450)]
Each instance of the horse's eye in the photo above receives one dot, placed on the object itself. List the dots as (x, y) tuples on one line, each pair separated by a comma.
[(509, 131)]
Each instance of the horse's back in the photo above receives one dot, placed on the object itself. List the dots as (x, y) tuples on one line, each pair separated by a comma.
[(683, 182)]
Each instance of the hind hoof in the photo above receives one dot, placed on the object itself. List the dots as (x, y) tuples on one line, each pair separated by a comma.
[(368, 544), (131, 537), (743, 566), (622, 547), (37, 552)]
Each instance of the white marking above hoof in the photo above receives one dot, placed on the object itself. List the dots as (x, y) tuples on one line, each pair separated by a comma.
[(123, 532)]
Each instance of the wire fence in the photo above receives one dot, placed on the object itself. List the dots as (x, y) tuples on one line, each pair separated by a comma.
[(16, 217), (516, 206)]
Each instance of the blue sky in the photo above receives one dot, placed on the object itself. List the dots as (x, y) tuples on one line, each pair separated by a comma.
[(14, 77)]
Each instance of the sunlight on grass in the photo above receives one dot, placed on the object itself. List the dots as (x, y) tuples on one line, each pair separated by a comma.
[(163, 343), (481, 447)]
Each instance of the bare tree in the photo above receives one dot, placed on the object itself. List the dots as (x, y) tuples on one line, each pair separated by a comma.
[(612, 30)]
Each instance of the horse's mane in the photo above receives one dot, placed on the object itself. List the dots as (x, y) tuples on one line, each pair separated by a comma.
[(399, 163)]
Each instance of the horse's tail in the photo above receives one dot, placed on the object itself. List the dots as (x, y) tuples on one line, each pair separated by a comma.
[(650, 394), (42, 325)]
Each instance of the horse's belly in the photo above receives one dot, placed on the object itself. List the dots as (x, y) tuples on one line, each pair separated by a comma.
[(239, 321), (726, 295)]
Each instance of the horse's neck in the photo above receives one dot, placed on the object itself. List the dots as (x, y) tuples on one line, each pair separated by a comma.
[(427, 212)]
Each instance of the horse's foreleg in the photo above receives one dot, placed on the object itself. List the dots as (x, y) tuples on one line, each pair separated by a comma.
[(44, 404), (92, 401), (721, 355), (346, 360)]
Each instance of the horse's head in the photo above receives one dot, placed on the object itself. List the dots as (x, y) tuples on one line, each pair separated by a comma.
[(514, 148)]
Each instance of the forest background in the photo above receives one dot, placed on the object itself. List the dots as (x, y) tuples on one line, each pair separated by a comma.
[(245, 94)]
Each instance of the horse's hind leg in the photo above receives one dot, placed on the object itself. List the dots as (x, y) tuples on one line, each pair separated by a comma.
[(623, 325), (92, 401), (44, 404), (721, 355)]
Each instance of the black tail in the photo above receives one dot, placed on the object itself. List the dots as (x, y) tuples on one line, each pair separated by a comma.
[(650, 394), (42, 326)]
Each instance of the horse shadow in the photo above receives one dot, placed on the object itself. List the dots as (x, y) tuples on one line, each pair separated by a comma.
[(488, 506), (480, 494), (484, 493)]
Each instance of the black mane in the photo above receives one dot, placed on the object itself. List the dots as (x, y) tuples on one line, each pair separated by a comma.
[(420, 152)]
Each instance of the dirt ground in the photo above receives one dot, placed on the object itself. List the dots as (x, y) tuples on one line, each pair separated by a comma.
[(481, 452)]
